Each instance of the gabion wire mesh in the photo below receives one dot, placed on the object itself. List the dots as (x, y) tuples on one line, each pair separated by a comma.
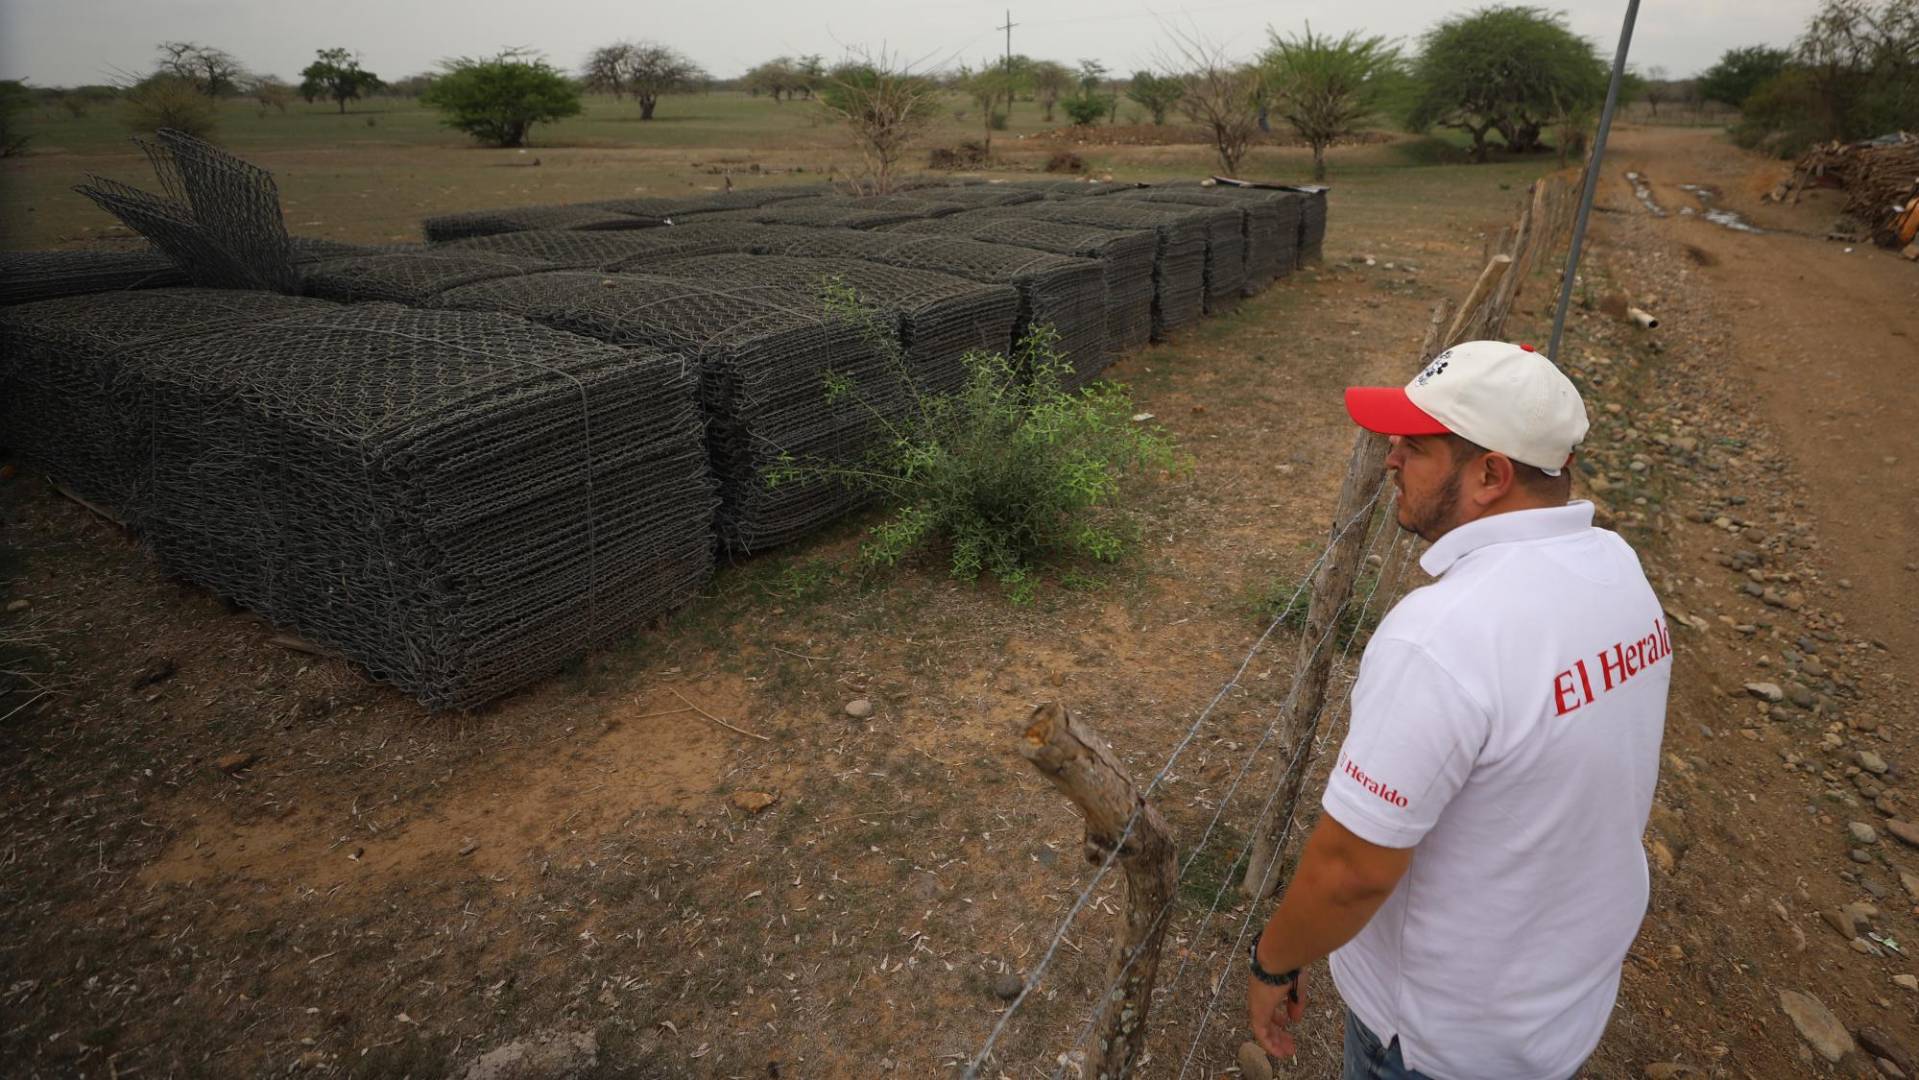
[(443, 227), (1125, 258), (709, 202), (1260, 228), (937, 318), (412, 277), (1179, 260), (1058, 188), (764, 370), (614, 251), (1225, 243), (26, 276), (1065, 293), (459, 501), (220, 219), (839, 212), (1312, 223), (1287, 204), (61, 359), (983, 195)]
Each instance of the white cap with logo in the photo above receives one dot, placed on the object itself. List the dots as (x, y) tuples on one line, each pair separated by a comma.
[(1506, 398)]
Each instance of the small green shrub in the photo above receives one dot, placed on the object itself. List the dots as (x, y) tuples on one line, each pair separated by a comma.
[(171, 101), (498, 100), (15, 99), (1010, 473), (1287, 602), (1084, 110)]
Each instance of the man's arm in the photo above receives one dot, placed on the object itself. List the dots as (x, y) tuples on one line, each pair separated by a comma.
[(1340, 881)]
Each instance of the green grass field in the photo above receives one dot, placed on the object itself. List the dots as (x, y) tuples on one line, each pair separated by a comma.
[(371, 174)]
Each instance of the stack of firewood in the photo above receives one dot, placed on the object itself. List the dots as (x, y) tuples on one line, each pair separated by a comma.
[(1880, 178)]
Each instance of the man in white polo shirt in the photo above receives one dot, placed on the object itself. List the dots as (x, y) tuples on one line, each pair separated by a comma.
[(1477, 875)]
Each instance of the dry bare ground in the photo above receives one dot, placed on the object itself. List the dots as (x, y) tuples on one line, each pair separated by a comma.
[(225, 858)]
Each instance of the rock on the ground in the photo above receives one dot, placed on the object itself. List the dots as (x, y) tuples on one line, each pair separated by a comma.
[(1872, 762), (1839, 921), (1910, 881), (1817, 1025), (1862, 833), (155, 670), (859, 708), (1907, 980), (1008, 986), (753, 801), (236, 762), (1253, 1063), (548, 1055), (1880, 1045), (1904, 830), (1766, 691)]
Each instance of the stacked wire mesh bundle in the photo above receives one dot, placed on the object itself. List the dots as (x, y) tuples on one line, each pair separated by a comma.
[(1225, 227), (409, 277), (1065, 293), (60, 361), (1284, 207), (443, 227), (937, 318), (1125, 258), (459, 501), (26, 276), (1267, 230), (982, 195), (1312, 223), (709, 202), (765, 370), (1068, 188), (615, 251), (1179, 258), (839, 212)]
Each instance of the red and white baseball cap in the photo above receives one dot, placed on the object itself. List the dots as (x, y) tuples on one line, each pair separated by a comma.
[(1507, 398)]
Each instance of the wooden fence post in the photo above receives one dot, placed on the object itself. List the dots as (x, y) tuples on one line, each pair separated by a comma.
[(1083, 768), (1332, 588)]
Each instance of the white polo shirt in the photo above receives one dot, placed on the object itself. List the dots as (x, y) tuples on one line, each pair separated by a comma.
[(1506, 723)]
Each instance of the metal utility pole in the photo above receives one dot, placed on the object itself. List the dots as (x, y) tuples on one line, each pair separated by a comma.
[(1592, 180)]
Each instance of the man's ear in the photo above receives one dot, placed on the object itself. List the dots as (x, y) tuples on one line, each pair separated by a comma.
[(1496, 478)]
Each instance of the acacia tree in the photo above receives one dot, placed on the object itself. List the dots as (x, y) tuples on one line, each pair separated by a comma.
[(1328, 87), (1157, 93), (886, 105), (337, 74), (1510, 70), (498, 100), (1050, 80), (776, 78), (986, 87), (214, 71), (643, 69)]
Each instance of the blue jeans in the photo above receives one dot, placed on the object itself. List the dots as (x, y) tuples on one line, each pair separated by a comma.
[(1366, 1059)]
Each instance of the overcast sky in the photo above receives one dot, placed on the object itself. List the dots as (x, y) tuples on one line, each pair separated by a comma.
[(69, 42)]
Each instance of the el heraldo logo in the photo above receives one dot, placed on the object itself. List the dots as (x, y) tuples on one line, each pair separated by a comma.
[(1357, 774)]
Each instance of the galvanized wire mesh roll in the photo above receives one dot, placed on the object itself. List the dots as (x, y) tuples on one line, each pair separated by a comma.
[(1065, 293), (1179, 260), (1125, 258), (443, 227), (765, 369), (412, 277), (460, 501), (936, 318), (26, 276)]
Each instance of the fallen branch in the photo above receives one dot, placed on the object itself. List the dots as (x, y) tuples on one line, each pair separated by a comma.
[(717, 720)]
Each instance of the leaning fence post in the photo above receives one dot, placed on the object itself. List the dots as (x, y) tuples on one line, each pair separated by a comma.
[(1083, 768), (1332, 588)]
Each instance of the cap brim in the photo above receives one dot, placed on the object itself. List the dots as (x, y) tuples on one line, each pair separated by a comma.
[(1388, 411)]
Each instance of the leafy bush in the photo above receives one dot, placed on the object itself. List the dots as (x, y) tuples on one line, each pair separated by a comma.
[(171, 101), (499, 100), (1783, 116), (1158, 93), (1085, 109), (1504, 69), (1010, 473), (1740, 72)]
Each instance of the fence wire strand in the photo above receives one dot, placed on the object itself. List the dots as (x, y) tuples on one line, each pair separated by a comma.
[(1363, 514)]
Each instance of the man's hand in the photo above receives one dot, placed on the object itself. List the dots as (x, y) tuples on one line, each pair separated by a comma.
[(1274, 1009)]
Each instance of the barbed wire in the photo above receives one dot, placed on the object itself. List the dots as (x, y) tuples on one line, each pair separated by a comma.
[(1363, 514)]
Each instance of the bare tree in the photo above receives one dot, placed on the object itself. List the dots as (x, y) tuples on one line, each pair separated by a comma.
[(1222, 94), (1659, 88), (606, 68), (1050, 81), (886, 105), (214, 71)]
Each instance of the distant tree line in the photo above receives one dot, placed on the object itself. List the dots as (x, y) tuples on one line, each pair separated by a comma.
[(1853, 74)]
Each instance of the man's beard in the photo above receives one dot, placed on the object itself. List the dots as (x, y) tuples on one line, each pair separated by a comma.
[(1435, 518)]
